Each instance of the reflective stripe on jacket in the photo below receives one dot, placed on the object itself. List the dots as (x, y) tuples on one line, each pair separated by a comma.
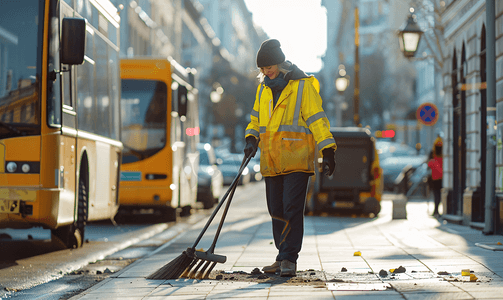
[(289, 130)]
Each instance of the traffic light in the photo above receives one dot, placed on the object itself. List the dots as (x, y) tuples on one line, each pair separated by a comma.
[(388, 133), (385, 133)]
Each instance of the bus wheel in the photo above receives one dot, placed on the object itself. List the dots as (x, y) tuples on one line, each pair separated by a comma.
[(123, 215), (208, 201), (371, 206), (72, 236), (68, 236), (168, 214), (186, 211), (82, 207)]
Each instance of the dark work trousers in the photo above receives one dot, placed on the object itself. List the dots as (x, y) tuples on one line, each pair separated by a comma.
[(436, 199), (436, 186), (286, 197)]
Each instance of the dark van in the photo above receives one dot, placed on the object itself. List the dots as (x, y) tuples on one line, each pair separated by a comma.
[(357, 180)]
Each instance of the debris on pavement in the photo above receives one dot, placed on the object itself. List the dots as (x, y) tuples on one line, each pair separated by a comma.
[(308, 277), (383, 273), (357, 286), (398, 270), (357, 253)]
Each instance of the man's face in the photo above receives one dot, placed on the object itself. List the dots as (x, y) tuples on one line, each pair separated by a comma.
[(270, 71)]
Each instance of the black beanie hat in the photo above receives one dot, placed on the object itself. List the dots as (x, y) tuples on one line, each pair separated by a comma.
[(270, 54)]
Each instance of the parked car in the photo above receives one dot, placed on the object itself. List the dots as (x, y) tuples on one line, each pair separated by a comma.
[(393, 158), (210, 179), (419, 181), (357, 180), (387, 149), (229, 166), (392, 167)]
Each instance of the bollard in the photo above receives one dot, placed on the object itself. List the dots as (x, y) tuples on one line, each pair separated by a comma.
[(400, 207)]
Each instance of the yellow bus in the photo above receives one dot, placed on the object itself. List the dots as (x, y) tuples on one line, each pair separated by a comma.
[(60, 148), (160, 133)]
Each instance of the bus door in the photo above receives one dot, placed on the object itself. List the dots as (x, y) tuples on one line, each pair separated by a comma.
[(68, 140)]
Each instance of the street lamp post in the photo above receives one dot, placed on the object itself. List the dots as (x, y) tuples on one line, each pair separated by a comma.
[(409, 36), (341, 83), (356, 95)]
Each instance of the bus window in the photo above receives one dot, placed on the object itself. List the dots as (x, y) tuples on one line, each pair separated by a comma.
[(114, 79), (67, 97), (182, 100), (83, 8), (143, 118), (103, 99), (19, 65), (85, 95)]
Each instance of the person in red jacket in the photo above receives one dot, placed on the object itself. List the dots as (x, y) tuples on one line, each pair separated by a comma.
[(436, 165)]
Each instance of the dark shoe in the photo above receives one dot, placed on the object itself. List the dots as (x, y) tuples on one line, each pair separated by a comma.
[(288, 268), (275, 267)]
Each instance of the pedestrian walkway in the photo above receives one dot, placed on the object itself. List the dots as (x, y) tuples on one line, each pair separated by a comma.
[(343, 257)]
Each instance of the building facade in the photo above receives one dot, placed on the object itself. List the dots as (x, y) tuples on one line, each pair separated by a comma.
[(466, 108)]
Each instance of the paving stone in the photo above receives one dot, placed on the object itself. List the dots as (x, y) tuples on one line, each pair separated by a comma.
[(437, 296), (419, 243)]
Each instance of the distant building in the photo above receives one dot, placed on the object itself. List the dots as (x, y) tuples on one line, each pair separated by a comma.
[(216, 38), (386, 78)]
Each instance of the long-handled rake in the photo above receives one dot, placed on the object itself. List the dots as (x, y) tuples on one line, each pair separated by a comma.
[(199, 264)]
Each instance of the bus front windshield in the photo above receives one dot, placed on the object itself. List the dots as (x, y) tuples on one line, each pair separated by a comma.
[(20, 23), (144, 115)]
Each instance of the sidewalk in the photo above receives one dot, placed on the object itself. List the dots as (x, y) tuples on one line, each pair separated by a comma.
[(432, 253)]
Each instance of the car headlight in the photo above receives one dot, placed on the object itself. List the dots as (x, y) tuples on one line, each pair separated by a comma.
[(256, 168), (210, 171)]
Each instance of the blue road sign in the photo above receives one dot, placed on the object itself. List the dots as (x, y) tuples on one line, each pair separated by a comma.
[(427, 113)]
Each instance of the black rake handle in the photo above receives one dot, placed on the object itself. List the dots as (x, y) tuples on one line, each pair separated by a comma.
[(231, 190)]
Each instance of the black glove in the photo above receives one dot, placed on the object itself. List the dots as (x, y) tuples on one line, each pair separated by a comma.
[(328, 161), (251, 146)]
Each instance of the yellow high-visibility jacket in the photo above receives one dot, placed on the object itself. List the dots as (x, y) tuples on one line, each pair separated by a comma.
[(288, 131)]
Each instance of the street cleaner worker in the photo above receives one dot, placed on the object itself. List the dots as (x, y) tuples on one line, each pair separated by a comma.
[(286, 121)]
